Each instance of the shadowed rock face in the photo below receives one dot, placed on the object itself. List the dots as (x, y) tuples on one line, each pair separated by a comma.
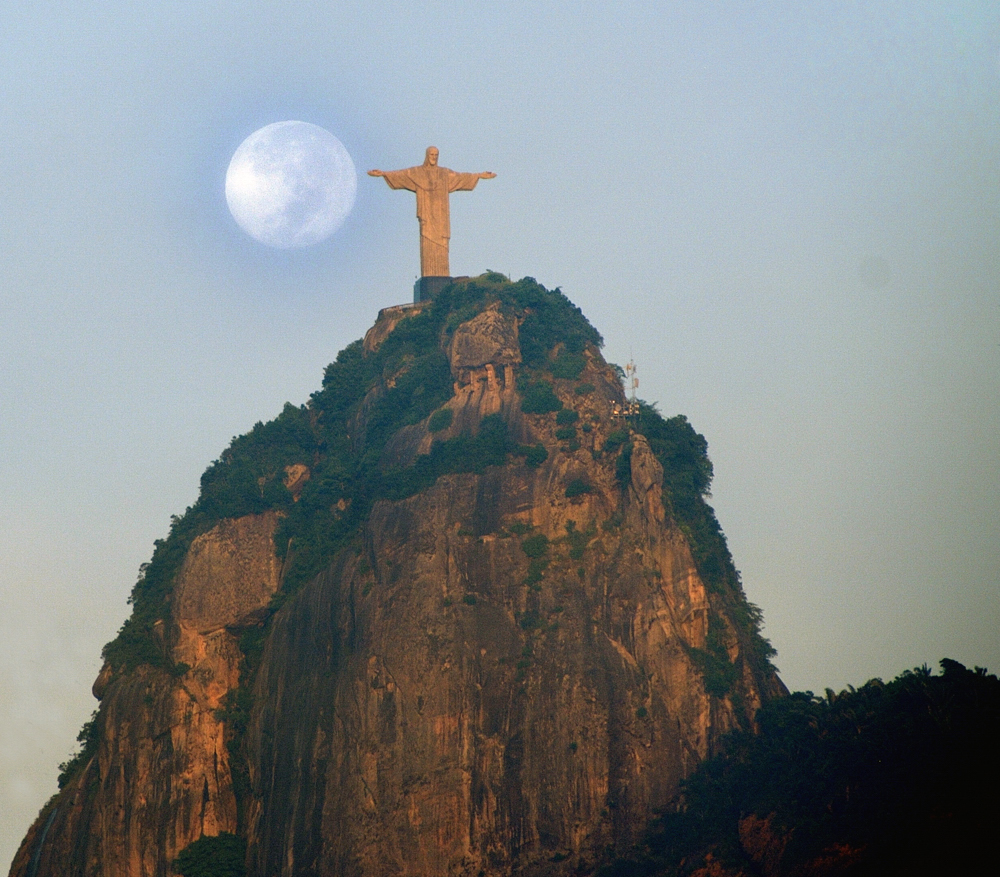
[(458, 696)]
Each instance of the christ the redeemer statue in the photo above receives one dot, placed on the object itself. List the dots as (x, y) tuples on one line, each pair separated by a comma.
[(433, 184)]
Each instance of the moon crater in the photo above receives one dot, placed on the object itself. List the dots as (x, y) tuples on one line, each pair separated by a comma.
[(291, 184)]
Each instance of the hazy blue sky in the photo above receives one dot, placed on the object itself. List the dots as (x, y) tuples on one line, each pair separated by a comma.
[(788, 213)]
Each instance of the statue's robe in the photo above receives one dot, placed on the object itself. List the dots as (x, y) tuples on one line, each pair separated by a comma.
[(433, 184)]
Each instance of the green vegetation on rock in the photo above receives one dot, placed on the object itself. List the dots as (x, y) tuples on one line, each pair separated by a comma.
[(570, 361), (440, 419), (219, 856), (720, 673), (538, 397), (534, 455), (88, 738), (578, 539), (536, 545)]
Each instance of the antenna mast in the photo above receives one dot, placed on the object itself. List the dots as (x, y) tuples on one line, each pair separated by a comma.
[(629, 412), (632, 408)]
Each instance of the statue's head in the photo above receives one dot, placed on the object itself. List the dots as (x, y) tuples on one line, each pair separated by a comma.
[(432, 156)]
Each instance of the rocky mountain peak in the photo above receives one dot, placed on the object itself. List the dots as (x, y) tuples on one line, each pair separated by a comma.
[(453, 616)]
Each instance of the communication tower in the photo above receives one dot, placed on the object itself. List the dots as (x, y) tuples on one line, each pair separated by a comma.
[(629, 412), (632, 381)]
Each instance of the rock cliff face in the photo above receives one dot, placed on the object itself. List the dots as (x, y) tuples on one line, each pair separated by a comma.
[(506, 670), (161, 778)]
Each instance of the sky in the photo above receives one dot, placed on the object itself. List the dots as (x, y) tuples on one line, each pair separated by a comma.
[(787, 214)]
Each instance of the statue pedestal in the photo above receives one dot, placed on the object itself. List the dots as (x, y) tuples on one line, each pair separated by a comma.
[(428, 287)]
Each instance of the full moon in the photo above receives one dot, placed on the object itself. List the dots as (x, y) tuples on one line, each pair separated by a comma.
[(291, 184)]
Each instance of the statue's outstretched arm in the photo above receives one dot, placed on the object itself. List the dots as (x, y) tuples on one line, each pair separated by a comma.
[(485, 175), (397, 179)]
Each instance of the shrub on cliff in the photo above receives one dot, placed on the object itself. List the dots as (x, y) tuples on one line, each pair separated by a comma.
[(88, 738), (538, 397), (219, 856)]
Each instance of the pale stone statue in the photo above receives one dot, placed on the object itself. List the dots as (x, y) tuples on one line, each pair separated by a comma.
[(432, 183)]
